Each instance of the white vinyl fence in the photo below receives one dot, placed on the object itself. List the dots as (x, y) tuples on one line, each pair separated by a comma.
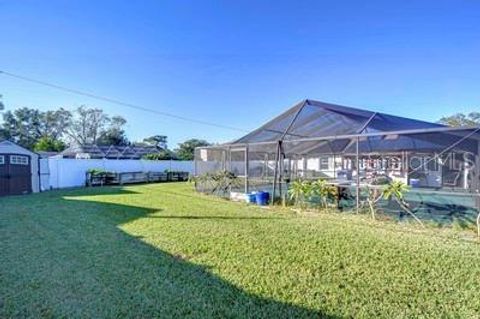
[(64, 173)]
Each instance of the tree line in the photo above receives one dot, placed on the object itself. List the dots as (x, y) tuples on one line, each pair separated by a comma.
[(54, 130), (461, 119)]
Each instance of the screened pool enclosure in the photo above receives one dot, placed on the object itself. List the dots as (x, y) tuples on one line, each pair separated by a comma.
[(352, 148)]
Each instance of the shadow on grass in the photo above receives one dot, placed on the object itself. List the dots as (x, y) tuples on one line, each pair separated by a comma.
[(67, 257), (207, 197), (212, 217), (444, 213)]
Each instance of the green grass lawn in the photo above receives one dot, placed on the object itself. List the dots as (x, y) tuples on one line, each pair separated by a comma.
[(164, 251)]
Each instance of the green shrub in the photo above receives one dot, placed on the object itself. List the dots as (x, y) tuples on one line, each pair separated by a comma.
[(314, 193), (326, 193), (218, 183), (98, 172), (299, 191)]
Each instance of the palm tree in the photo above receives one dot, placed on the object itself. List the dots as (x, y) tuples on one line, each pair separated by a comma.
[(325, 191), (374, 196), (298, 192), (397, 190)]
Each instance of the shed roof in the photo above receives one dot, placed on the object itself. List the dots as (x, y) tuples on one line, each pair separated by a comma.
[(11, 147)]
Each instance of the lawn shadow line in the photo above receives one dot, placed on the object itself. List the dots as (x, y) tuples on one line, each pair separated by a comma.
[(211, 217), (107, 272)]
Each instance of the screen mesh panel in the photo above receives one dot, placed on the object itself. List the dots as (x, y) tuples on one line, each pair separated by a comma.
[(357, 150)]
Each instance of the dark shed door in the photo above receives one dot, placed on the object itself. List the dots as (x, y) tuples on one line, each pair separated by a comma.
[(4, 189), (15, 174)]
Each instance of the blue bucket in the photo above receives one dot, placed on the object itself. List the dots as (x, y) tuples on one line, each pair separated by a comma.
[(262, 198), (251, 198), (414, 183)]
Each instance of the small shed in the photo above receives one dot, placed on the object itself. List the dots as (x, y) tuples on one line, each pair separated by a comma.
[(19, 170)]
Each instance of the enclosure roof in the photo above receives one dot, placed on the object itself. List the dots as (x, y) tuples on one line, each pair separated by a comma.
[(314, 119)]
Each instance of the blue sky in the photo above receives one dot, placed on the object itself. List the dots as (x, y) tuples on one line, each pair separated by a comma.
[(239, 63)]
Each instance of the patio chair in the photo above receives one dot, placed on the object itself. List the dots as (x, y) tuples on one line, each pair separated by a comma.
[(451, 178)]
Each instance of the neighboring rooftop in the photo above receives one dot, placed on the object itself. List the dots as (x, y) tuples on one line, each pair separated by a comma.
[(46, 154), (107, 151)]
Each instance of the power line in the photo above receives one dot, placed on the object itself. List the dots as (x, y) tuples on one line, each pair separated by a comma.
[(118, 102)]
